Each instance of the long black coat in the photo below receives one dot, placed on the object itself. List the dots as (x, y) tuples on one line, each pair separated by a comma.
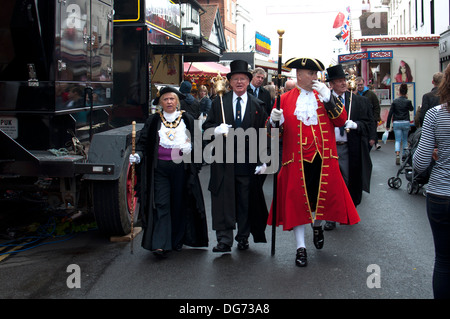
[(221, 182), (360, 171), (147, 145), (429, 100)]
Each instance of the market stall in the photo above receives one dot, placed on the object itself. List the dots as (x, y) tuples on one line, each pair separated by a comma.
[(200, 73)]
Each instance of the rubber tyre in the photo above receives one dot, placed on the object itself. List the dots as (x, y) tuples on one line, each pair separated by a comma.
[(409, 188), (110, 201), (397, 183), (391, 182)]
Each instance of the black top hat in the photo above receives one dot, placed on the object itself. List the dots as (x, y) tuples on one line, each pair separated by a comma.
[(335, 72), (239, 66), (165, 90), (305, 63)]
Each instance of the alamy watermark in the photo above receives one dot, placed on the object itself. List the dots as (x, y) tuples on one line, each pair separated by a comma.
[(74, 279), (374, 279)]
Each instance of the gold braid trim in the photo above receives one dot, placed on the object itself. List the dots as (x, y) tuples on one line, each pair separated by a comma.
[(334, 111)]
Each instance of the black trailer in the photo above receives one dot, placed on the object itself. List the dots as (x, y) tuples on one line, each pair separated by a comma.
[(58, 135)]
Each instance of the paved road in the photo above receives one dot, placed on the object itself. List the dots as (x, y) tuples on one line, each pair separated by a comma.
[(393, 236)]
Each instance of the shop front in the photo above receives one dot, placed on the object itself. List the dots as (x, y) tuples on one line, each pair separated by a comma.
[(386, 62)]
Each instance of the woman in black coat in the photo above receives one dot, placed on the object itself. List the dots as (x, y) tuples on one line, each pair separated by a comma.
[(171, 200)]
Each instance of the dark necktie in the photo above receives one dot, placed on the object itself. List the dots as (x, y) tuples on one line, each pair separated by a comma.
[(341, 129), (238, 119)]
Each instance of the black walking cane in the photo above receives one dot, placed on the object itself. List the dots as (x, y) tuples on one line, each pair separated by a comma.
[(277, 125)]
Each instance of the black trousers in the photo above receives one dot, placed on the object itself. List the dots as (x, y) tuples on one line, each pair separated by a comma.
[(312, 180), (242, 194), (170, 217)]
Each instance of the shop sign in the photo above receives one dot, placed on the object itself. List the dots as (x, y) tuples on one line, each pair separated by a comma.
[(164, 16), (371, 55), (262, 44)]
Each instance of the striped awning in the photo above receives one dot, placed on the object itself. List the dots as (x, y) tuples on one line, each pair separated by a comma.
[(205, 68)]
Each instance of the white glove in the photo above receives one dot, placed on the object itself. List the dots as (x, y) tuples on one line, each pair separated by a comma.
[(349, 124), (135, 158), (260, 169), (186, 148), (323, 90), (222, 129), (276, 115)]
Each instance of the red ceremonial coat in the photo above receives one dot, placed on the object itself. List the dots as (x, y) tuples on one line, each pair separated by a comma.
[(302, 142)]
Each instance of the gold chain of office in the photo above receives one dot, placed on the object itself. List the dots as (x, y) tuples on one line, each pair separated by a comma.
[(171, 125)]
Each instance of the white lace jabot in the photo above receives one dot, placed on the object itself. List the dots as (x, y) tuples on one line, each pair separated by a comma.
[(306, 107), (180, 136)]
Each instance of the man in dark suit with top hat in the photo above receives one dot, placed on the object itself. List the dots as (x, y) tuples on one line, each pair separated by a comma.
[(310, 186), (231, 181), (351, 143)]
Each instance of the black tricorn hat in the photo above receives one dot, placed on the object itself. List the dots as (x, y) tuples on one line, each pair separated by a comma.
[(335, 72), (239, 66), (165, 90), (305, 63)]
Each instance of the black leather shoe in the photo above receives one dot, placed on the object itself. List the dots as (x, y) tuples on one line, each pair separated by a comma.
[(329, 226), (221, 248), (243, 244), (318, 237), (160, 253), (300, 257)]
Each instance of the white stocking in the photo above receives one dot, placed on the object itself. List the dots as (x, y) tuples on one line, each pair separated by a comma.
[(299, 232)]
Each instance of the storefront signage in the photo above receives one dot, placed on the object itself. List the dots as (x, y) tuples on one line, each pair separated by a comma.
[(371, 55), (262, 44), (164, 16)]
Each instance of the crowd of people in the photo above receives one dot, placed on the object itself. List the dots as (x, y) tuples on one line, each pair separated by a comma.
[(323, 126)]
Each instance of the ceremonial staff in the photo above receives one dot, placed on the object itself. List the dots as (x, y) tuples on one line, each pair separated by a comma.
[(220, 87), (275, 177), (351, 84), (133, 151)]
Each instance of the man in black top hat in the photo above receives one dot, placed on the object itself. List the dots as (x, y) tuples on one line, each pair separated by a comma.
[(351, 142), (232, 182)]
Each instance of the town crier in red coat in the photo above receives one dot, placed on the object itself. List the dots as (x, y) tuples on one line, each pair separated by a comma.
[(310, 187)]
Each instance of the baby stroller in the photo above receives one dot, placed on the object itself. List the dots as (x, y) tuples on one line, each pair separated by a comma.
[(415, 181)]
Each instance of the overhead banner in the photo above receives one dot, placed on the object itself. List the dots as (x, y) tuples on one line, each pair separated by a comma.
[(262, 44)]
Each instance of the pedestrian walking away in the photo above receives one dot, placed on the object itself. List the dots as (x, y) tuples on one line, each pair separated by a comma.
[(430, 99), (434, 145), (310, 186), (189, 104), (170, 196), (399, 113)]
